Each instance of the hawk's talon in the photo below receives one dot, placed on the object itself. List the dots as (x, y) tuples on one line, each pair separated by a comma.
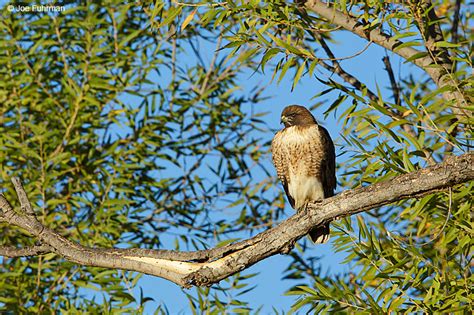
[(306, 207)]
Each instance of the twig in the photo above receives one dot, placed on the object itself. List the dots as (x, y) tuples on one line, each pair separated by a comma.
[(393, 81), (342, 73), (350, 56), (215, 4), (10, 251), (211, 65)]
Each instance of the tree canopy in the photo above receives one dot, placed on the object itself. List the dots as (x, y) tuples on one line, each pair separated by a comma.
[(131, 126)]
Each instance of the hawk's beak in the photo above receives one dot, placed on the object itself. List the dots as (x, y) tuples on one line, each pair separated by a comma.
[(283, 120)]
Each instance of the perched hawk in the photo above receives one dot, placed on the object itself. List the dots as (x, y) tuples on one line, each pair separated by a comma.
[(304, 157)]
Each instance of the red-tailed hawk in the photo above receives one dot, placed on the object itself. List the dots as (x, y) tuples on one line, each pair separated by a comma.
[(304, 157)]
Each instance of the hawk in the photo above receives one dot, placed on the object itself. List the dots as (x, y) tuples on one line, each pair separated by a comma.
[(304, 157)]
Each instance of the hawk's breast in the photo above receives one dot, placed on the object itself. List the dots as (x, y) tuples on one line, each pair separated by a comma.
[(297, 155)]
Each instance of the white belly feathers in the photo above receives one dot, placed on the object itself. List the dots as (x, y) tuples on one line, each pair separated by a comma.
[(304, 189)]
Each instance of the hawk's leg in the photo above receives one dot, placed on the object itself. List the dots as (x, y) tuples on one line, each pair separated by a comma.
[(305, 208), (318, 234)]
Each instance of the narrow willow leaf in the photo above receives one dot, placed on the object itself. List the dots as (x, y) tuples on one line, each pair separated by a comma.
[(171, 15), (407, 44), (285, 68), (444, 44), (298, 74), (188, 19), (269, 54)]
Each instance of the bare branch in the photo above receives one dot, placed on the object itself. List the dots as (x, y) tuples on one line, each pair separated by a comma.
[(454, 29), (210, 266), (336, 68), (22, 197), (393, 81), (10, 251)]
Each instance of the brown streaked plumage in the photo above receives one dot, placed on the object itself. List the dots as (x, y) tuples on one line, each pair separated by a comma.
[(304, 157)]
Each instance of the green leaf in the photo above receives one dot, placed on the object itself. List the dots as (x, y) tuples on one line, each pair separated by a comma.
[(188, 19), (269, 54), (444, 44), (298, 74), (407, 44), (171, 14), (284, 69)]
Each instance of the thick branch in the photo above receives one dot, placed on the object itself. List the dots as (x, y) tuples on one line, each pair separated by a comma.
[(210, 266)]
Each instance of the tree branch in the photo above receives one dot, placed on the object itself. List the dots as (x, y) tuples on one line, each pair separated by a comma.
[(438, 73), (396, 96), (393, 81), (428, 23), (210, 266), (454, 28), (10, 251), (347, 77), (425, 15)]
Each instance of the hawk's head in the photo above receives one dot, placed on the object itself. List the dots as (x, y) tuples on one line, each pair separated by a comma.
[(296, 115)]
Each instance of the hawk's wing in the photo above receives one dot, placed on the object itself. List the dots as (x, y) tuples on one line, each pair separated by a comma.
[(281, 162), (328, 164)]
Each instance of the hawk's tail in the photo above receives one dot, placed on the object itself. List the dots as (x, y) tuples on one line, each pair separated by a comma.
[(320, 234)]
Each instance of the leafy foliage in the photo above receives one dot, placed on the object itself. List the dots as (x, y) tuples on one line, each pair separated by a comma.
[(119, 144), (127, 134)]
